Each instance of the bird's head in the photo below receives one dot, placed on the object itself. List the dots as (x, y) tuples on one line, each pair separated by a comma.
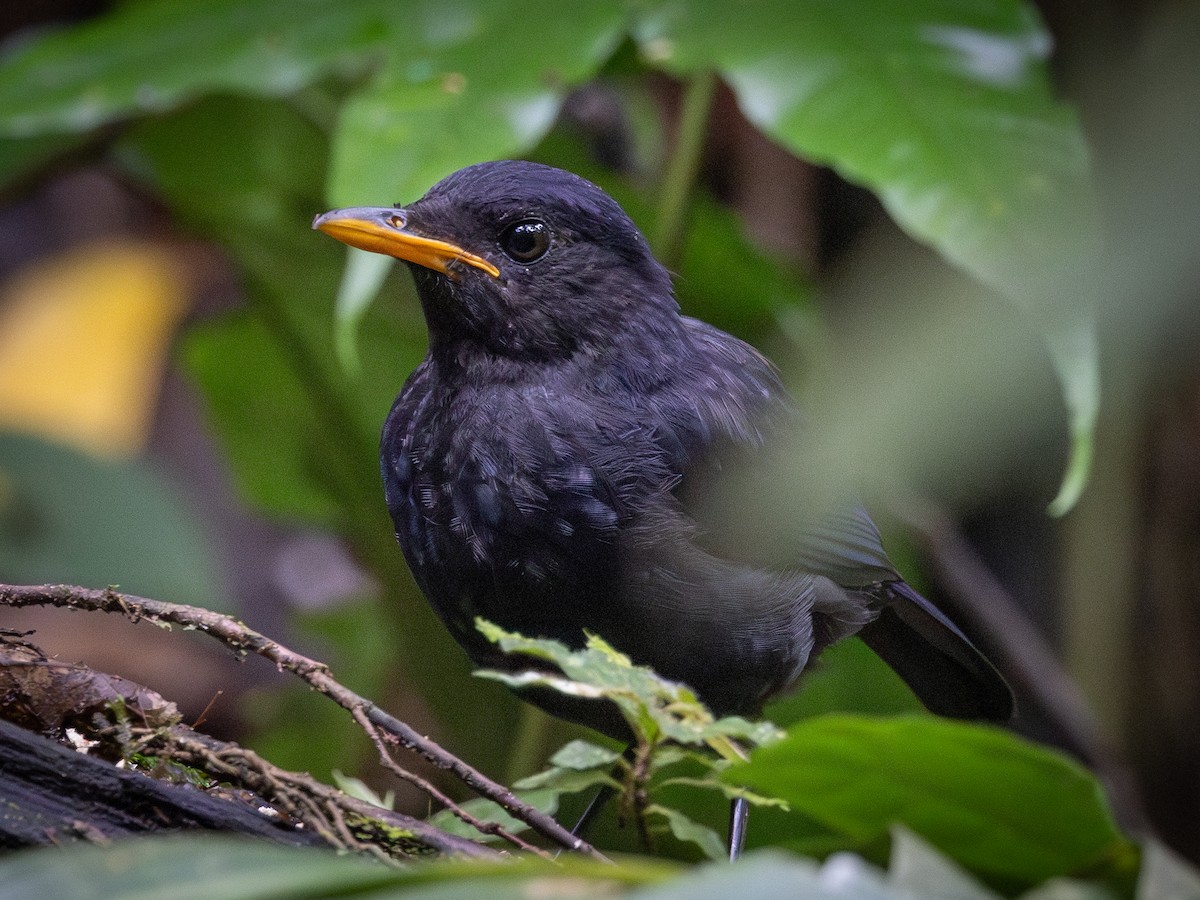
[(520, 260)]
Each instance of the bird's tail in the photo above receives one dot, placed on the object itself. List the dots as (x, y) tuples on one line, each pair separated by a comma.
[(943, 668)]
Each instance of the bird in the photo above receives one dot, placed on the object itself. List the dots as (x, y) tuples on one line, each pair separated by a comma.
[(546, 464)]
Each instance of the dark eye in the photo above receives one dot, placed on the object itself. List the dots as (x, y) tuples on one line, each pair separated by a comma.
[(526, 241)]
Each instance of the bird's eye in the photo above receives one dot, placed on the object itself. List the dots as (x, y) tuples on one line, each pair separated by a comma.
[(526, 241)]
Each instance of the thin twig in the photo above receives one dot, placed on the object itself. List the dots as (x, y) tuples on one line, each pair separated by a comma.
[(324, 808), (243, 639), (385, 758)]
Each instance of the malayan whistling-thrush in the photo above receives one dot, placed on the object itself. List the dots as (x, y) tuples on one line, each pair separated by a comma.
[(542, 462)]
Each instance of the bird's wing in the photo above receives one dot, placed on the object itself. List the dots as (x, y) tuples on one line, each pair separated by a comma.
[(731, 461)]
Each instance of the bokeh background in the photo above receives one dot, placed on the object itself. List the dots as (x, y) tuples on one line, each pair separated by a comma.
[(192, 382)]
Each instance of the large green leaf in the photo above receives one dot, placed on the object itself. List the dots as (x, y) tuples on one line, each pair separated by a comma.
[(943, 109), (994, 803), (150, 57), (489, 86)]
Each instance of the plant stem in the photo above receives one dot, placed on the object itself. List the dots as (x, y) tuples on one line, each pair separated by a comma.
[(683, 165)]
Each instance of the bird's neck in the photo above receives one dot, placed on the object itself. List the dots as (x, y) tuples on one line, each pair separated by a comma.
[(646, 354)]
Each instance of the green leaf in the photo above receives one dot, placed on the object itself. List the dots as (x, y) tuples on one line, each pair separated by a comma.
[(1075, 351), (150, 57), (566, 781), (943, 108), (580, 754), (21, 156), (690, 831), (774, 874), (362, 279), (730, 791), (994, 803), (360, 790), (1071, 889), (202, 866), (191, 867), (654, 707), (544, 799), (483, 88)]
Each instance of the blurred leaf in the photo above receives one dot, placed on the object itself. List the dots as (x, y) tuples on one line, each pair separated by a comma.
[(185, 867), (1071, 889), (19, 157), (360, 790), (1075, 351), (992, 802), (112, 310), (724, 278), (303, 435), (566, 781), (487, 85), (67, 517), (149, 57), (362, 279), (202, 867), (775, 875), (260, 407), (205, 866), (690, 831), (921, 870), (1165, 875)]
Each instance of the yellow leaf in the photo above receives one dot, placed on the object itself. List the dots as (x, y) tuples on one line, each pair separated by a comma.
[(83, 342)]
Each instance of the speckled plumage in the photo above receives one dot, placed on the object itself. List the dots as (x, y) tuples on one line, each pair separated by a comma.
[(538, 463)]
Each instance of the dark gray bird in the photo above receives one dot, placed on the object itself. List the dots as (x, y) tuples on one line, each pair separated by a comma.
[(543, 462)]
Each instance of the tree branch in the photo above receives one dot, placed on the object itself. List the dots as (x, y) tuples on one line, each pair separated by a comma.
[(243, 639), (55, 793)]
